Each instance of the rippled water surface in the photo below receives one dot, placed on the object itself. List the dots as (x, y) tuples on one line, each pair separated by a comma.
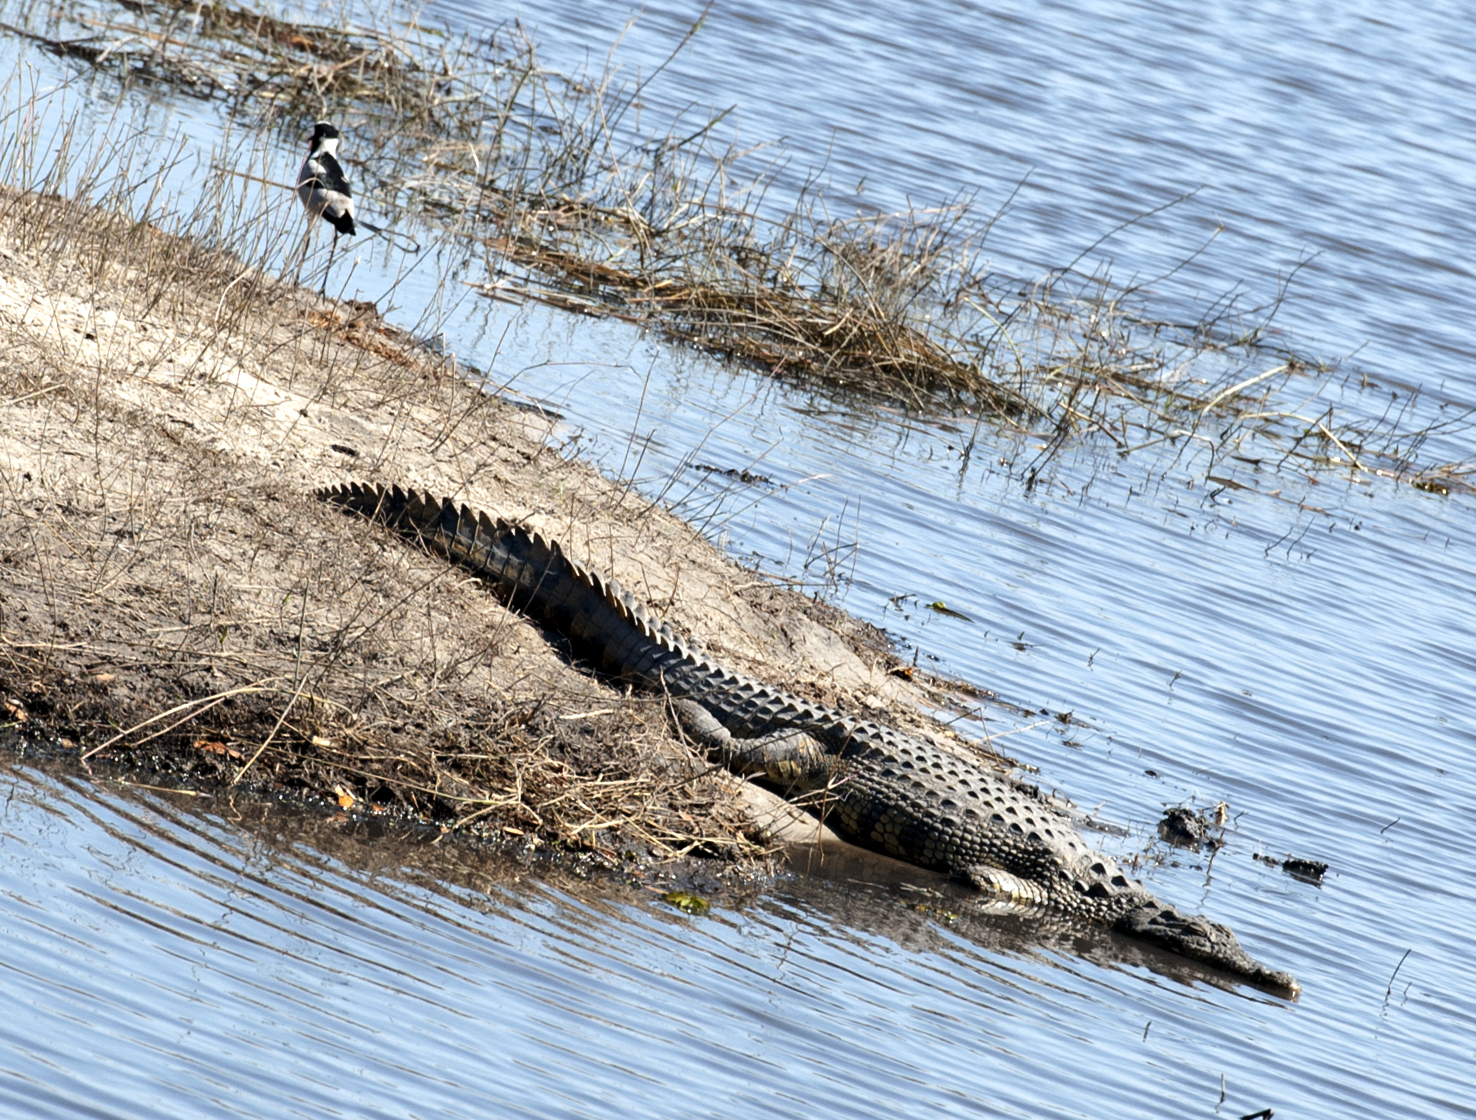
[(161, 960), (1305, 657)]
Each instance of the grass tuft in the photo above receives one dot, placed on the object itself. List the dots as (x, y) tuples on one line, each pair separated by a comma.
[(549, 182)]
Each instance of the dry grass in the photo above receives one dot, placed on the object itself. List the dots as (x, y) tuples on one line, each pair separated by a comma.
[(170, 596), (173, 599), (547, 179)]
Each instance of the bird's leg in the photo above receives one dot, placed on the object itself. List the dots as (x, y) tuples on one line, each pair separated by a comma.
[(307, 236), (324, 290)]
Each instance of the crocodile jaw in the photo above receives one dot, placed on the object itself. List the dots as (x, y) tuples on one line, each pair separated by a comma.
[(1200, 939)]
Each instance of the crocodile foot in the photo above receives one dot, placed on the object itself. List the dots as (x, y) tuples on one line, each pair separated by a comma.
[(1004, 886), (788, 757)]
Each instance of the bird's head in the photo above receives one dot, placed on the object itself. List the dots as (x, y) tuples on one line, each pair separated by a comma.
[(324, 136)]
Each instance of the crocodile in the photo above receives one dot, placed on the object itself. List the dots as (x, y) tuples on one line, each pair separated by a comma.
[(876, 786)]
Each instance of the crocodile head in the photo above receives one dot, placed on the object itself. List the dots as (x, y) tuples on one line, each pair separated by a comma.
[(1200, 939)]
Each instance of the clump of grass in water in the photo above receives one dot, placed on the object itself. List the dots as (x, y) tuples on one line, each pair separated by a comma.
[(571, 206)]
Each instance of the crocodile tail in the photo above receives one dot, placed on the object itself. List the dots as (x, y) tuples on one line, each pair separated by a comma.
[(531, 573), (599, 618)]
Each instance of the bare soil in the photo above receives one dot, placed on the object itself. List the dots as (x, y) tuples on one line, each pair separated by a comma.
[(174, 600)]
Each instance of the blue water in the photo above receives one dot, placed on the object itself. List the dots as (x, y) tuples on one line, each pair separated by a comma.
[(1304, 657), (1343, 132), (168, 959)]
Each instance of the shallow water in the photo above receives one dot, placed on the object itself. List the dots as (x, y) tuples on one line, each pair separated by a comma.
[(172, 959), (1344, 133), (1311, 667)]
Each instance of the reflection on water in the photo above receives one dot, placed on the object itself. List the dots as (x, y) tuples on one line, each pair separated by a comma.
[(161, 960)]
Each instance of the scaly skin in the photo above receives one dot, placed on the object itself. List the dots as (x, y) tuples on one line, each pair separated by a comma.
[(875, 786)]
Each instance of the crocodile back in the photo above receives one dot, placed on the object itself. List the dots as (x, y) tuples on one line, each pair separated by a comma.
[(877, 786)]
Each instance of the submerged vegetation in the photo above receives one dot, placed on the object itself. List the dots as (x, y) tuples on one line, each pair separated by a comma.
[(549, 183)]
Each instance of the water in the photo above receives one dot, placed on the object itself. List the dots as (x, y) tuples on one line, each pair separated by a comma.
[(163, 959), (1311, 667), (1343, 133)]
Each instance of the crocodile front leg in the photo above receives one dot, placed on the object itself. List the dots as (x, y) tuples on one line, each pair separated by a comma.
[(1001, 884)]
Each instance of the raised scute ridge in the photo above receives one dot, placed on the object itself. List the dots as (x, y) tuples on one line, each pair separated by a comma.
[(874, 785)]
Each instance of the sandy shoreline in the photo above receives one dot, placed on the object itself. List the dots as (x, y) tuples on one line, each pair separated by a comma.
[(173, 598)]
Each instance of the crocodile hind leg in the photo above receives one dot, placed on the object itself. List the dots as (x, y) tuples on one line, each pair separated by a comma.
[(787, 757)]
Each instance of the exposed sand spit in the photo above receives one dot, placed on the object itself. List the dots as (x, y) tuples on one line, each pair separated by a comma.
[(172, 596)]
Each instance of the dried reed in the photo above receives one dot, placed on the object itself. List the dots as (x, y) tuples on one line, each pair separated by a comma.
[(569, 203), (171, 598)]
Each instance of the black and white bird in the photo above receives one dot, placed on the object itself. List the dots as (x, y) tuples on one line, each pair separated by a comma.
[(323, 187)]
